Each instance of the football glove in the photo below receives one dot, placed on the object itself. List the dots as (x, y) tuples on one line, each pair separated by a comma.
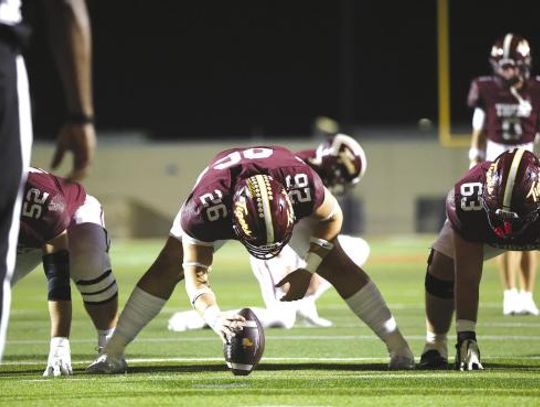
[(59, 362), (468, 355)]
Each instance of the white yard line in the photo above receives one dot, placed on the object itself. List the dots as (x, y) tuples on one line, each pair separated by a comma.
[(179, 339), (135, 361)]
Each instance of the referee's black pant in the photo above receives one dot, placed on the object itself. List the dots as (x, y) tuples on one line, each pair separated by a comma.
[(15, 145)]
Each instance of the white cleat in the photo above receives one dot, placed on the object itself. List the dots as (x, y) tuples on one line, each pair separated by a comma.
[(401, 360), (185, 321), (107, 364), (528, 306)]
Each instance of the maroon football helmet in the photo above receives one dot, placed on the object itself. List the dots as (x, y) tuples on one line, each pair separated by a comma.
[(263, 216), (511, 197), (340, 162), (511, 51)]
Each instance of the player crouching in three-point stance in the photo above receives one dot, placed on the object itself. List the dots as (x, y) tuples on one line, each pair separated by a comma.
[(255, 195), (341, 163), (493, 208), (63, 227)]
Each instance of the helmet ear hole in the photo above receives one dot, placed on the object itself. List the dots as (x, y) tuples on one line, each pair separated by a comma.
[(263, 216)]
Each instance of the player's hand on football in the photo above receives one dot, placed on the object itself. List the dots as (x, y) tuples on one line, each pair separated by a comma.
[(227, 325), (59, 362), (298, 281), (80, 139)]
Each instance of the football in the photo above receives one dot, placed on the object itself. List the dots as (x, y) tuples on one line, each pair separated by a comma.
[(244, 351)]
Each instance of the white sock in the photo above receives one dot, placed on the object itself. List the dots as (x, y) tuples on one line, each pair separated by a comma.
[(103, 336), (140, 309), (465, 325), (369, 305)]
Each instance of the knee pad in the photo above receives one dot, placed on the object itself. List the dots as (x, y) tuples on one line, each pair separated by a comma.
[(56, 267), (99, 290), (439, 288)]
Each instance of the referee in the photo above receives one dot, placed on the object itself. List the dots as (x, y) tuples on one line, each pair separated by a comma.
[(70, 39)]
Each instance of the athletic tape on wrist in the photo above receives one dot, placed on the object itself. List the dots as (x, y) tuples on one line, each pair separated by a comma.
[(313, 261), (211, 315)]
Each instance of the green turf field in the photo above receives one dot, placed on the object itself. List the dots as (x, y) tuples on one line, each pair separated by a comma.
[(339, 366)]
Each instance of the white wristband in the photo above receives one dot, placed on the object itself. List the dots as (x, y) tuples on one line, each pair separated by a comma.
[(325, 244), (197, 293), (476, 154), (313, 261), (211, 315)]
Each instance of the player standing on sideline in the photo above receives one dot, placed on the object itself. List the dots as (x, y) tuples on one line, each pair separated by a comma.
[(507, 115), (70, 37), (495, 207), (257, 196), (341, 163), (64, 228)]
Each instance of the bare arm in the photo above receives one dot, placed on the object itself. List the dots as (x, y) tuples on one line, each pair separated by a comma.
[(71, 42), (330, 219), (197, 262), (59, 308), (468, 260), (477, 152)]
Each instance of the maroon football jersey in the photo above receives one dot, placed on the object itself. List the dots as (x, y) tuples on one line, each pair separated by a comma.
[(49, 203), (207, 212), (469, 219), (307, 155), (505, 122)]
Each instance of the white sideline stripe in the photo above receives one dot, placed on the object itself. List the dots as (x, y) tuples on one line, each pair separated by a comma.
[(179, 339), (264, 359)]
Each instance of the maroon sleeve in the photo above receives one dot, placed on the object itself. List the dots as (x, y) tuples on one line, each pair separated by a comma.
[(464, 209), (206, 214), (306, 155), (473, 98), (305, 189), (48, 205)]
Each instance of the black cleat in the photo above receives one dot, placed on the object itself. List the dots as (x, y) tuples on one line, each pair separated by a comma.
[(432, 360)]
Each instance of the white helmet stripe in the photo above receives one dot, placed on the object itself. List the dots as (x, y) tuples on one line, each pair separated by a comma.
[(265, 200), (508, 189), (506, 45)]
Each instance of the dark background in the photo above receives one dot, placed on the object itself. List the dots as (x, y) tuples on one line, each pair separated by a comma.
[(209, 69)]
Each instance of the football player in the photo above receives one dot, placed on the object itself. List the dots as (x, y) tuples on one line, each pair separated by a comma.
[(259, 196), (340, 162), (506, 115), (492, 209), (63, 227)]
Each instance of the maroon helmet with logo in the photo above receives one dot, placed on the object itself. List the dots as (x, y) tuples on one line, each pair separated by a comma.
[(511, 197), (511, 51), (263, 216), (340, 162)]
